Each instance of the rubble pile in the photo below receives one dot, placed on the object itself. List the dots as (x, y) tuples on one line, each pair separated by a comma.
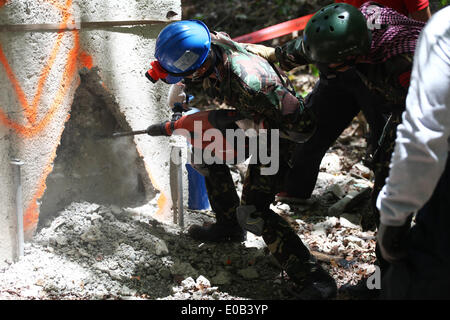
[(93, 251)]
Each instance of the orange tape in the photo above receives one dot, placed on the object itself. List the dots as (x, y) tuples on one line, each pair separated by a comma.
[(275, 31)]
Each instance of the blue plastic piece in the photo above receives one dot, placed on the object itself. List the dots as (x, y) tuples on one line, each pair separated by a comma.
[(183, 46), (198, 196)]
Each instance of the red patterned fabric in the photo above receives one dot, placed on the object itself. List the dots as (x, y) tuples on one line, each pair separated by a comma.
[(392, 32), (403, 6)]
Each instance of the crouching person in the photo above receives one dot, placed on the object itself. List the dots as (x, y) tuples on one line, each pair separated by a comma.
[(256, 89)]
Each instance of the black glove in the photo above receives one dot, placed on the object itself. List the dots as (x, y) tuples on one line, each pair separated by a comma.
[(158, 129), (393, 241), (178, 111)]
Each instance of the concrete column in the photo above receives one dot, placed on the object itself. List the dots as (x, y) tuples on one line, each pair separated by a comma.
[(39, 76)]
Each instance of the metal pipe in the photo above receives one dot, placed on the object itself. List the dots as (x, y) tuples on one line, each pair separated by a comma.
[(59, 27), (174, 184), (180, 189), (19, 208)]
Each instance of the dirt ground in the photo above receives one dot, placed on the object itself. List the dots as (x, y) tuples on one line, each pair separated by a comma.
[(92, 251)]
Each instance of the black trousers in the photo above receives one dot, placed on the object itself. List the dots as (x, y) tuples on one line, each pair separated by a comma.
[(425, 273), (335, 102)]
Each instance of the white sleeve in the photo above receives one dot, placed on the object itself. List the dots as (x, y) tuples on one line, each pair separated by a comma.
[(422, 143)]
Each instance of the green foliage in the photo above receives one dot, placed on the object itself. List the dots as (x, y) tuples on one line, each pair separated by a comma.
[(288, 8), (314, 71), (444, 3)]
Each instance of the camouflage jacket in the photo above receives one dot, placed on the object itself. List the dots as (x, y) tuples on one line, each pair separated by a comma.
[(251, 85), (387, 68)]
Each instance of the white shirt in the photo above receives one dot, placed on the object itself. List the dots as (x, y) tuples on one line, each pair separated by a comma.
[(423, 137)]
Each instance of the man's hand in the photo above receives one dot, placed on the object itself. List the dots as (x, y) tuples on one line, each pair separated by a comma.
[(392, 241), (159, 129)]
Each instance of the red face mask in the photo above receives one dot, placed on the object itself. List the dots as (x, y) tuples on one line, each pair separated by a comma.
[(157, 72)]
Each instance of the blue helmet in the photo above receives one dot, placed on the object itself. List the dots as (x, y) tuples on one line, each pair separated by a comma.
[(183, 46)]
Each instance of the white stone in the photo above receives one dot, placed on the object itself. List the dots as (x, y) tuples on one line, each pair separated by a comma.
[(188, 283), (202, 282), (331, 163), (161, 248)]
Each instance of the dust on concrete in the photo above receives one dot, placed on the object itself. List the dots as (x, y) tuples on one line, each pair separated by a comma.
[(90, 165)]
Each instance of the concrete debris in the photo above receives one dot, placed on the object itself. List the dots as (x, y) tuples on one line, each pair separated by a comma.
[(202, 283), (161, 248), (331, 163), (336, 190), (95, 251)]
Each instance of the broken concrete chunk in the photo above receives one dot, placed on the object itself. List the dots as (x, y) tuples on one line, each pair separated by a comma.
[(202, 283), (355, 240), (188, 283), (347, 224), (336, 190), (116, 210), (364, 171), (92, 208), (161, 248), (331, 163)]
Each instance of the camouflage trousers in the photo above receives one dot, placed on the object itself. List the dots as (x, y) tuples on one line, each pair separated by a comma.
[(260, 190)]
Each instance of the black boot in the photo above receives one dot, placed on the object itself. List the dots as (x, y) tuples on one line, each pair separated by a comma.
[(359, 291), (218, 232), (317, 284)]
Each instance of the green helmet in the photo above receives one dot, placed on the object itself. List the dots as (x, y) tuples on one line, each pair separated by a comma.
[(335, 32)]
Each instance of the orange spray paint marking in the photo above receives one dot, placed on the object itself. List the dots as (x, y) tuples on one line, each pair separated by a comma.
[(68, 74), (85, 60), (31, 213), (31, 111), (44, 75), (12, 78), (163, 204), (3, 2)]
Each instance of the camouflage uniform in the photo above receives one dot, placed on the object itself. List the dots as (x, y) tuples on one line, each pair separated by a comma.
[(252, 86)]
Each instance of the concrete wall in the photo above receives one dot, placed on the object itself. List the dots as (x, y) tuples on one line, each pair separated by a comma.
[(39, 74)]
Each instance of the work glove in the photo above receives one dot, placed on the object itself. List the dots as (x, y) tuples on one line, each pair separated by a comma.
[(267, 53), (393, 241), (176, 95), (158, 129)]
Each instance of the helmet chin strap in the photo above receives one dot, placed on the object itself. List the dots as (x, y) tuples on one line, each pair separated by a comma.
[(213, 60)]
